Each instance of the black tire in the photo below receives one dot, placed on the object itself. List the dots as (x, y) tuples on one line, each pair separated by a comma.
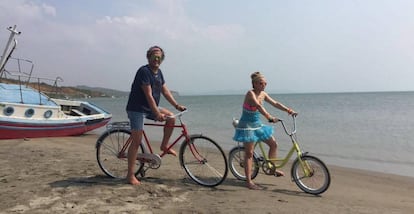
[(236, 163), (204, 161), (319, 179), (108, 153)]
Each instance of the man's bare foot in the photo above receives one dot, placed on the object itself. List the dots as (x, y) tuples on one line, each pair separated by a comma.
[(133, 180), (253, 186), (170, 152)]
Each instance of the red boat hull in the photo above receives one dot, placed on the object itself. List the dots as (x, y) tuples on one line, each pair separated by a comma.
[(27, 130)]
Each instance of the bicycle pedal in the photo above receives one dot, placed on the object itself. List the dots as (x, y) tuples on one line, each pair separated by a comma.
[(154, 159)]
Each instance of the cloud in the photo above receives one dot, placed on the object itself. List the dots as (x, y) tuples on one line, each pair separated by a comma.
[(49, 10), (221, 32), (168, 20), (25, 11)]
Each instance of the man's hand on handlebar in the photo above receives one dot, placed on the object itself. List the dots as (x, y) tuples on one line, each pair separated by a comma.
[(159, 117), (180, 107)]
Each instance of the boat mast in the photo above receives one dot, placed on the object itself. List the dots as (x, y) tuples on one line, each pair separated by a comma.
[(7, 52)]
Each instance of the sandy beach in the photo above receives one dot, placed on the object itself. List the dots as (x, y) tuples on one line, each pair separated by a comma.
[(61, 175)]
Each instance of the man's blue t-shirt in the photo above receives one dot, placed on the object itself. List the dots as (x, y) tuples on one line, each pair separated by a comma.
[(137, 100)]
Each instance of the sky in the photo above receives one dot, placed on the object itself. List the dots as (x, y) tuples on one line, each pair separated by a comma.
[(213, 46)]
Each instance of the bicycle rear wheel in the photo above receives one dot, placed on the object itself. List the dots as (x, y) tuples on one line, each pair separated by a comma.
[(112, 153), (318, 178), (204, 161), (236, 163)]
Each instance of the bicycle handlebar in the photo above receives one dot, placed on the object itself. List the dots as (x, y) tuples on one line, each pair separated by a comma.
[(285, 128), (179, 114), (126, 125)]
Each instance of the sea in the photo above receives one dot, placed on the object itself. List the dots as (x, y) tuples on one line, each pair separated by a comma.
[(370, 131)]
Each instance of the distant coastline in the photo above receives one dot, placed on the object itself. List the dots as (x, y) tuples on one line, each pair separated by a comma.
[(225, 93), (80, 91), (107, 92)]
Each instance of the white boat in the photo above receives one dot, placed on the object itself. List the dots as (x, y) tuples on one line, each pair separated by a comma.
[(27, 112)]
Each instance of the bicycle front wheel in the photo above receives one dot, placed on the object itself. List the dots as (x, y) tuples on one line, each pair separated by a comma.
[(112, 153), (204, 161), (236, 164), (312, 176)]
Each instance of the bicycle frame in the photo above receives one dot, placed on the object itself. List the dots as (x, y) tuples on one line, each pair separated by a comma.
[(147, 146), (184, 134), (281, 162), (146, 141)]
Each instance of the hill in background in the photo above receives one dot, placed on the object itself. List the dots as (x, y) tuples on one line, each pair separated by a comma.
[(103, 92), (106, 92), (72, 92)]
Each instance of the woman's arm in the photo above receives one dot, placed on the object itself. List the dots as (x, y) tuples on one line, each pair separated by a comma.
[(253, 101), (278, 105)]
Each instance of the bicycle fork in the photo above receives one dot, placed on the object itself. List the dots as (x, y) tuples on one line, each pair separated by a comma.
[(307, 169)]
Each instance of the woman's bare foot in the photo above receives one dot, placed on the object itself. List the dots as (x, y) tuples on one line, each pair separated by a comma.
[(276, 172), (133, 180), (279, 173), (253, 186)]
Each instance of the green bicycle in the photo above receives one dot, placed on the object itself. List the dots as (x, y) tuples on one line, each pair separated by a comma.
[(308, 172)]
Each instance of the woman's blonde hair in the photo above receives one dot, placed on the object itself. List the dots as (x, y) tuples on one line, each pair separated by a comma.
[(256, 76)]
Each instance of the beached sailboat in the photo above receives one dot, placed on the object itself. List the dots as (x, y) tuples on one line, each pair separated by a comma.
[(26, 112)]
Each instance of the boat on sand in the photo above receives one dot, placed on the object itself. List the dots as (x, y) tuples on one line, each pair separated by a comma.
[(27, 109)]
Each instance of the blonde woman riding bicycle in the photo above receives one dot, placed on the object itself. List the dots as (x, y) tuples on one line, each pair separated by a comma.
[(250, 128)]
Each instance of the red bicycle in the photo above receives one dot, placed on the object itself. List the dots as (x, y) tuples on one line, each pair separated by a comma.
[(201, 157)]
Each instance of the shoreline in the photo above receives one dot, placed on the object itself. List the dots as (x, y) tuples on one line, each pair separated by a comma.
[(61, 175)]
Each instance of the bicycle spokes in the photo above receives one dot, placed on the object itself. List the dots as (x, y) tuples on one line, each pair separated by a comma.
[(311, 175), (202, 159)]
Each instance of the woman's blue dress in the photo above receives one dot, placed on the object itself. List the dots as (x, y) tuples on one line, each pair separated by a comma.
[(251, 129)]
